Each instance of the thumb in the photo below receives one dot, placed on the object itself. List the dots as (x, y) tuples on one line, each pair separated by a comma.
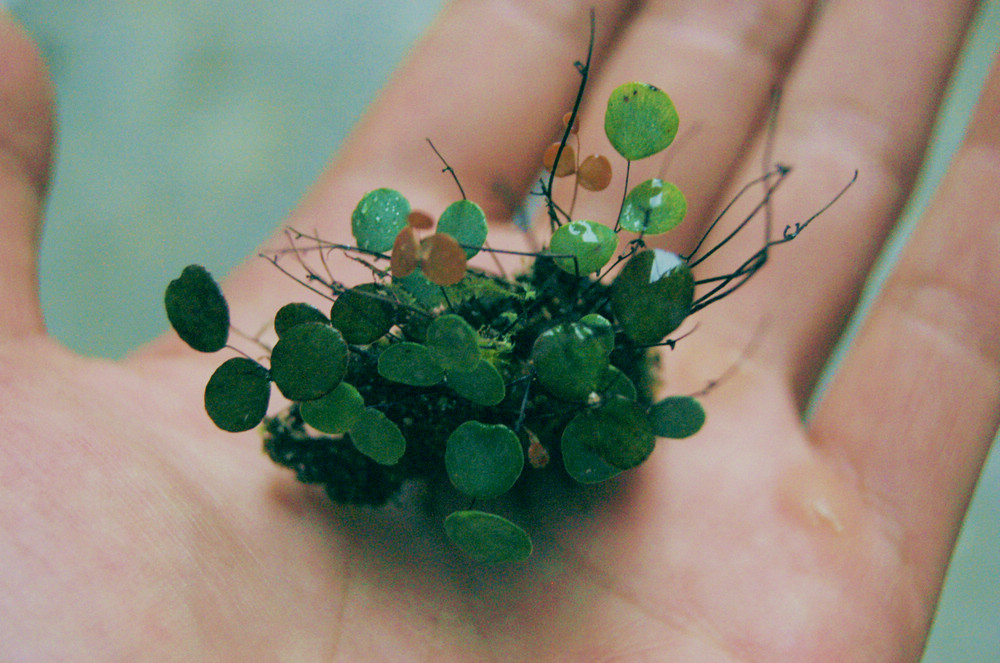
[(25, 155)]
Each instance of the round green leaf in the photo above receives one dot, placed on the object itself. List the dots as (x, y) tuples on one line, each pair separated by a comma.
[(453, 342), (420, 288), (617, 431), (465, 221), (483, 385), (410, 363), (309, 361), (581, 463), (290, 315), (376, 436), (615, 382), (483, 461), (570, 360), (652, 295), (237, 394), (653, 207), (378, 218), (601, 328), (487, 538), (197, 310), (335, 412), (362, 314), (676, 417), (640, 120), (591, 243)]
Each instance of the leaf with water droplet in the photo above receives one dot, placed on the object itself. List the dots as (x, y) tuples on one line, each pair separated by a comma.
[(652, 295), (487, 538), (640, 120), (237, 395), (309, 361), (335, 412), (466, 222), (591, 243), (411, 364), (483, 461), (378, 437), (378, 218), (653, 207), (197, 310), (677, 417)]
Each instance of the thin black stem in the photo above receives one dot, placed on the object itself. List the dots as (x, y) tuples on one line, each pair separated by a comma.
[(448, 169)]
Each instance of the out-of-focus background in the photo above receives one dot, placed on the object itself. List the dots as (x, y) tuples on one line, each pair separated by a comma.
[(189, 128)]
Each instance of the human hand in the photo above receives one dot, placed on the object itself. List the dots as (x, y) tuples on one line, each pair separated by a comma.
[(756, 540)]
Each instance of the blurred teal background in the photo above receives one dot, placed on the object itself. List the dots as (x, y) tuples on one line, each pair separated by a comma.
[(189, 128)]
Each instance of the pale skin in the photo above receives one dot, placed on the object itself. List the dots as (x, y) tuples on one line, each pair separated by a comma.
[(132, 529)]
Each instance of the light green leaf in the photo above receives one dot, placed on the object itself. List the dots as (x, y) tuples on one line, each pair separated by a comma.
[(378, 437), (653, 207), (378, 218), (487, 538), (483, 461), (591, 243), (465, 221), (335, 412), (640, 120), (483, 385), (453, 342)]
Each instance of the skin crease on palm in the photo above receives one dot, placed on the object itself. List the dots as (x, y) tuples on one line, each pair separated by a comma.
[(134, 530)]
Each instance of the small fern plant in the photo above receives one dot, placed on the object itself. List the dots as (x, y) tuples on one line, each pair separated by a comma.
[(439, 372)]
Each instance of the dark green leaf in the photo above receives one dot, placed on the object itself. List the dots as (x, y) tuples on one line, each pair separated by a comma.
[(335, 412), (453, 342), (590, 242), (377, 437), (617, 431), (290, 315), (482, 385), (410, 363), (237, 395), (197, 310), (653, 207), (483, 461), (570, 360), (465, 221), (581, 463), (677, 417), (652, 295), (615, 382), (378, 218), (309, 361), (487, 538), (363, 314), (640, 120)]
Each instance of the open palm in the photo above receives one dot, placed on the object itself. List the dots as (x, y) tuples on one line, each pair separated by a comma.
[(133, 529)]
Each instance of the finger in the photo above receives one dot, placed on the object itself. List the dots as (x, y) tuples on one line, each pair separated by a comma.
[(25, 153), (720, 63), (916, 403), (862, 98)]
